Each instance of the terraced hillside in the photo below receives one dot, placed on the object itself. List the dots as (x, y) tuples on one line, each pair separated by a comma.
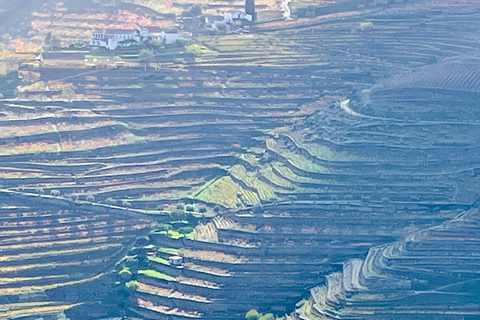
[(56, 256), (291, 127), (431, 274), (356, 173), (264, 260), (168, 137)]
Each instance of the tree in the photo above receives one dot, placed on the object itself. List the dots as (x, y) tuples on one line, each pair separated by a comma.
[(194, 11), (164, 227), (52, 41), (125, 273), (253, 315), (257, 208), (185, 230), (68, 94), (146, 55), (222, 27), (178, 215)]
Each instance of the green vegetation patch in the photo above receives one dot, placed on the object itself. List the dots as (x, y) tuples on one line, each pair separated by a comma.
[(199, 49), (171, 234), (171, 251), (159, 260), (155, 274)]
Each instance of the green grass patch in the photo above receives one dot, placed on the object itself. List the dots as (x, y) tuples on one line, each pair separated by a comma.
[(158, 260), (171, 251), (198, 49), (171, 233), (265, 191), (155, 274)]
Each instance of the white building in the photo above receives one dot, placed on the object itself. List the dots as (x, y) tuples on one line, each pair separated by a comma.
[(113, 38), (169, 36), (232, 16)]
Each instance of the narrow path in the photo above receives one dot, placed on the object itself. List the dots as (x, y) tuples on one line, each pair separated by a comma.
[(345, 105)]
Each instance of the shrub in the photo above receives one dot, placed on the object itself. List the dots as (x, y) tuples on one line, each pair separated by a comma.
[(366, 26), (180, 206), (178, 215), (189, 208), (131, 263), (142, 241), (110, 200), (126, 203), (125, 273), (257, 209), (202, 209), (185, 230), (164, 227), (131, 286), (222, 27), (252, 315)]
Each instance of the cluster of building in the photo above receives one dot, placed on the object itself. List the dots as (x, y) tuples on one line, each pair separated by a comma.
[(237, 17), (114, 38)]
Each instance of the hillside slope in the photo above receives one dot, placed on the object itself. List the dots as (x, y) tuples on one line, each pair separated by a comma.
[(313, 141)]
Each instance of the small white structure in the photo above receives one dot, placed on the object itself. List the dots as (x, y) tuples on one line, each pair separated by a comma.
[(232, 16), (113, 38), (175, 260), (169, 36)]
